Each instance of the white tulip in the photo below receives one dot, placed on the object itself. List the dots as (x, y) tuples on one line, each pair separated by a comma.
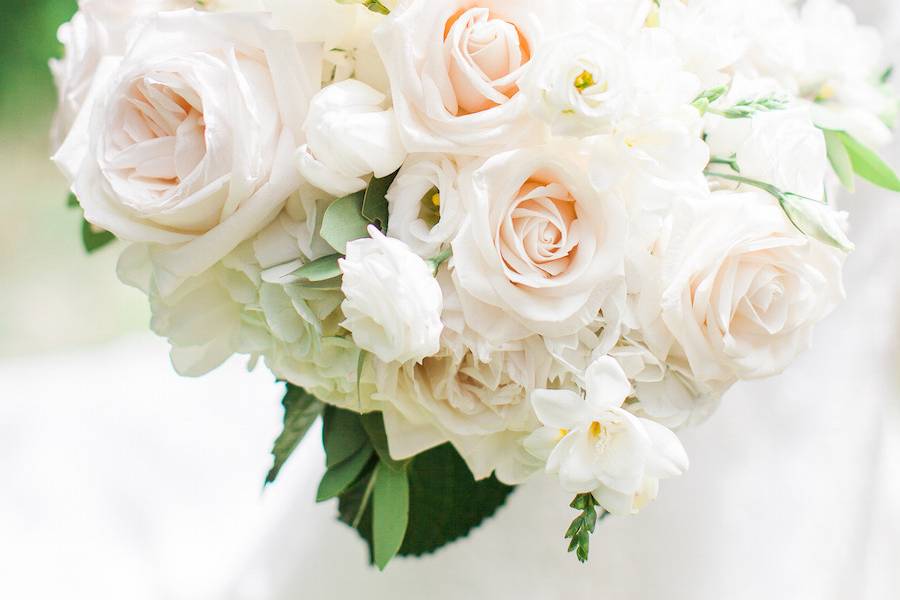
[(349, 136)]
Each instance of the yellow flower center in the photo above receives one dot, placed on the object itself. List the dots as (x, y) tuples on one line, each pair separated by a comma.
[(596, 429), (826, 92), (436, 199), (584, 81)]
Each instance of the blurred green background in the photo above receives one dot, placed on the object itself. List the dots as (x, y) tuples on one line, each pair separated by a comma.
[(52, 296)]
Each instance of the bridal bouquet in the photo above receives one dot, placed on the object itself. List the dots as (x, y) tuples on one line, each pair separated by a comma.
[(480, 239)]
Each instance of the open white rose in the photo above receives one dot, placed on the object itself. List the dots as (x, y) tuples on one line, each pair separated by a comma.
[(393, 303), (425, 207), (541, 250), (190, 144), (349, 136), (97, 31), (744, 289), (580, 84), (455, 66), (594, 445)]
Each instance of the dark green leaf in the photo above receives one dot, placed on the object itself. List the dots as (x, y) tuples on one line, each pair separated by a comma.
[(390, 517), (342, 435), (338, 478), (375, 204), (72, 201), (373, 423), (93, 237), (445, 502), (343, 222), (301, 409), (321, 269)]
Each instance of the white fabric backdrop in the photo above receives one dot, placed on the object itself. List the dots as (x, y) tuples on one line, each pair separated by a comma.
[(122, 481)]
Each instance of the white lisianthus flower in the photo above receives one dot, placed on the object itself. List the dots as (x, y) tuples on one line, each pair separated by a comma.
[(393, 303), (425, 208), (580, 84), (190, 145), (454, 70), (541, 250), (744, 289), (782, 147), (594, 445), (349, 136)]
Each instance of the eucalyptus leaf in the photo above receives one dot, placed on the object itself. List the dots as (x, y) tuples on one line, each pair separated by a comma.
[(321, 269), (868, 165), (301, 409), (375, 204), (342, 435), (338, 478), (343, 222), (839, 158), (94, 238), (390, 513)]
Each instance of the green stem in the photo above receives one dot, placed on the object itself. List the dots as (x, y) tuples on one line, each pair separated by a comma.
[(364, 503), (440, 259), (721, 160)]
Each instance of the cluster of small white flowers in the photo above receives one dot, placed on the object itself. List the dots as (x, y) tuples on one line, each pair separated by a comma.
[(606, 213)]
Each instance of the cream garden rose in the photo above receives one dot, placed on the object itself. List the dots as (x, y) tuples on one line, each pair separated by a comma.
[(189, 145), (454, 68), (541, 250), (741, 299)]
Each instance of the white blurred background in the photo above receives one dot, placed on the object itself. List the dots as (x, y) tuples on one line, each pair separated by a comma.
[(120, 480)]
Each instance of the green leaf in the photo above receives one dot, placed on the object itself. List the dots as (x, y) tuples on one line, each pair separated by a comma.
[(373, 423), (338, 478), (321, 269), (343, 222), (93, 237), (72, 201), (301, 409), (390, 504), (445, 502), (360, 365), (839, 158), (868, 165), (375, 204), (579, 532), (342, 435)]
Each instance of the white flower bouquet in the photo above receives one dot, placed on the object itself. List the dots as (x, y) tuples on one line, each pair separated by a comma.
[(480, 239)]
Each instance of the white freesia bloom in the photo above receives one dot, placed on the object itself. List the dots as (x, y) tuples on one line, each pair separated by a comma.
[(349, 136), (425, 207), (541, 250), (454, 70), (743, 290), (594, 445), (580, 84), (393, 303), (190, 145)]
